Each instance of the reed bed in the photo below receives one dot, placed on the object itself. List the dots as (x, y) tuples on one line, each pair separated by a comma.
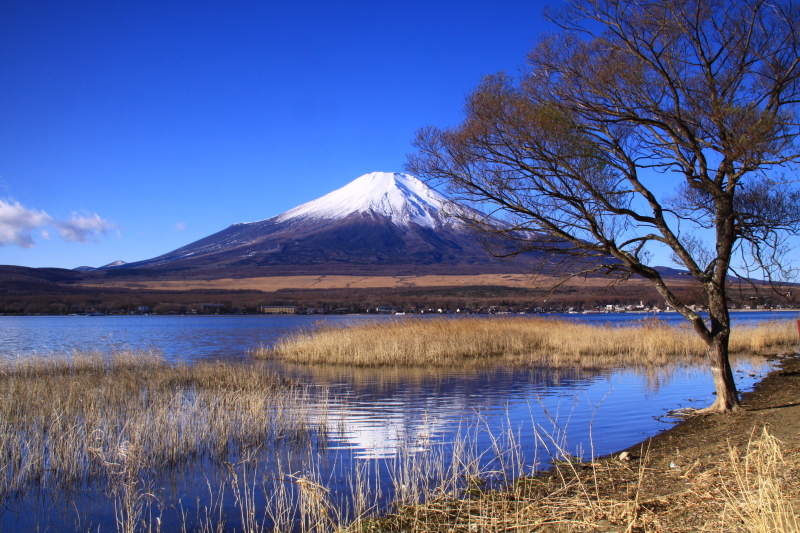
[(455, 489), (122, 419), (112, 418), (759, 499), (516, 341), (300, 500), (753, 491)]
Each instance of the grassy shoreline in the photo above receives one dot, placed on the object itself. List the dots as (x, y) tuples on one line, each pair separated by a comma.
[(517, 341), (737, 474), (94, 416), (118, 419)]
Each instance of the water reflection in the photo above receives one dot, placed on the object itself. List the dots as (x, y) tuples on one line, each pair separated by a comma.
[(389, 436), (379, 426), (381, 410)]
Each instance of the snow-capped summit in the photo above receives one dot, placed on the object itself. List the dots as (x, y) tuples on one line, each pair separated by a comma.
[(383, 221), (401, 198), (117, 263)]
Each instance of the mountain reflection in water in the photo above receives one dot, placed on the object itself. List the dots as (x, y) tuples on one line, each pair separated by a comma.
[(381, 410), (376, 425)]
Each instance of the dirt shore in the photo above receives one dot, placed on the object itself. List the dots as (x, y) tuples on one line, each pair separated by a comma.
[(774, 403), (689, 464), (687, 468), (682, 480), (704, 474)]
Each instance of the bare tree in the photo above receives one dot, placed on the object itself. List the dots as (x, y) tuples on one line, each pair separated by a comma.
[(629, 97)]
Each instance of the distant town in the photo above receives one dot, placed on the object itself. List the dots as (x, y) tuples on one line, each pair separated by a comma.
[(225, 309)]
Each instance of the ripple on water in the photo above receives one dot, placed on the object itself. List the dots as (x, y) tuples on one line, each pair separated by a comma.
[(373, 417)]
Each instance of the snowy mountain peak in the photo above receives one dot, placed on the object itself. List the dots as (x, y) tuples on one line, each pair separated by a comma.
[(402, 198), (381, 222)]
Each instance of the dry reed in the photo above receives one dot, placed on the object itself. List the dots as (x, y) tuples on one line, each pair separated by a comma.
[(113, 417), (110, 418), (747, 493), (516, 341), (759, 499)]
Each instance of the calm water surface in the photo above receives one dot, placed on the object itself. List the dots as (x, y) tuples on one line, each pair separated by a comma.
[(378, 415), (213, 337)]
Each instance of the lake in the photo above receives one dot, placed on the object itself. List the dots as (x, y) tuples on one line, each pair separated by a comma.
[(382, 426), (211, 337)]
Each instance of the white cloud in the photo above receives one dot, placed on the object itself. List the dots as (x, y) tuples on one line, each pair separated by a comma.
[(17, 222), (180, 226), (83, 228)]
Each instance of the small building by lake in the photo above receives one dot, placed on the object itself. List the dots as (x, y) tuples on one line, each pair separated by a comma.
[(278, 309)]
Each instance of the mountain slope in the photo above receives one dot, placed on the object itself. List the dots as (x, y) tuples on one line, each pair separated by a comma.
[(379, 222)]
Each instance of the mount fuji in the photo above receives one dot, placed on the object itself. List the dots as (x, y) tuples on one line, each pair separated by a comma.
[(379, 223)]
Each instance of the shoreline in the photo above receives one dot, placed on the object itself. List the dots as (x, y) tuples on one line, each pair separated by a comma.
[(776, 398), (706, 473), (682, 468), (685, 457), (545, 314)]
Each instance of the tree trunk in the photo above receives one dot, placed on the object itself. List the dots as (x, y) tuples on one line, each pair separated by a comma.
[(727, 397)]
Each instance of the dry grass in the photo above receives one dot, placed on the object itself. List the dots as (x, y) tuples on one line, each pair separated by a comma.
[(454, 489), (276, 283), (751, 492), (760, 500), (111, 418), (516, 341)]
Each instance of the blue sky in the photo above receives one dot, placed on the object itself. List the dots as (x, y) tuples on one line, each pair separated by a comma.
[(130, 129)]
